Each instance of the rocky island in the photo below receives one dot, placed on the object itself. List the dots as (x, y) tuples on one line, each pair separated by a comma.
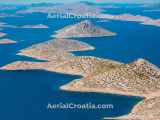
[(83, 9), (55, 48), (78, 8), (83, 29), (54, 52), (7, 41), (134, 18)]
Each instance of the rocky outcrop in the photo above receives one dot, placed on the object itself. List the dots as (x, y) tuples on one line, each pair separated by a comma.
[(139, 78), (54, 53), (87, 66), (83, 29), (55, 49)]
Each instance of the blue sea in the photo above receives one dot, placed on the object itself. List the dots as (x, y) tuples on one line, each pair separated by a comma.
[(24, 95)]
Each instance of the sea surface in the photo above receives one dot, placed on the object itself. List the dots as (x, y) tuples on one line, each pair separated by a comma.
[(133, 41), (24, 95)]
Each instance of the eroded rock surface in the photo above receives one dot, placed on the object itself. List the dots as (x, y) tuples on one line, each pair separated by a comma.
[(139, 78), (83, 29)]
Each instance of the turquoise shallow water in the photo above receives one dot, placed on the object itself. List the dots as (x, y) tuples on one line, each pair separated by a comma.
[(25, 94)]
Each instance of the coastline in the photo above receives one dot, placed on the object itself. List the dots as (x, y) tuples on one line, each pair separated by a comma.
[(101, 91), (107, 91), (99, 75), (7, 41), (59, 58)]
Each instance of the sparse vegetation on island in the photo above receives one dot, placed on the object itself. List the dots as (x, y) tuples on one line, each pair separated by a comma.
[(83, 29), (138, 78)]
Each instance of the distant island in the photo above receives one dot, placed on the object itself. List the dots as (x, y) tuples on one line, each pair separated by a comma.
[(2, 34), (7, 41), (83, 29), (54, 52), (84, 9), (77, 8), (55, 48), (34, 26), (134, 18)]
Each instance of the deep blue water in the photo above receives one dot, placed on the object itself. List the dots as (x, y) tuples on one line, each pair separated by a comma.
[(25, 94), (133, 41)]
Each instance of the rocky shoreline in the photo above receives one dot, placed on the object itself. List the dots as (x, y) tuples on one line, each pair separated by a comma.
[(138, 78), (83, 29), (147, 109), (7, 41)]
